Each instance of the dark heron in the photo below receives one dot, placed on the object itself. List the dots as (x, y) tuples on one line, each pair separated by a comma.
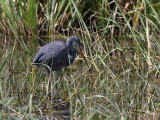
[(57, 54)]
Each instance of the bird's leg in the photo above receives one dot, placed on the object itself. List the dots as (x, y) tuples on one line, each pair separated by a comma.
[(57, 74), (48, 71), (54, 85)]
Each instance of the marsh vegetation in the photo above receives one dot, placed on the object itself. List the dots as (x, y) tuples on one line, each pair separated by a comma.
[(121, 44)]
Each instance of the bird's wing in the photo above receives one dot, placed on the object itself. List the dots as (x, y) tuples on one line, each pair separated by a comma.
[(38, 58), (54, 53), (57, 54)]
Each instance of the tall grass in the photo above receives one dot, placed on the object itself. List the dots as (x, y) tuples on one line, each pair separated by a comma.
[(20, 17), (121, 44)]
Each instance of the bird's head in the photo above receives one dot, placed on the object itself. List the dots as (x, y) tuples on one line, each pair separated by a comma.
[(76, 44)]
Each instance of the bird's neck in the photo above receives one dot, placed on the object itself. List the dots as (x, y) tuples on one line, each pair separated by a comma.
[(72, 52)]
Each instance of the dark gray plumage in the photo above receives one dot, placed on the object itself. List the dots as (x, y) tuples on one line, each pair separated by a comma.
[(58, 54)]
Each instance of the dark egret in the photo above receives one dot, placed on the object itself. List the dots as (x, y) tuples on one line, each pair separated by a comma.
[(57, 54)]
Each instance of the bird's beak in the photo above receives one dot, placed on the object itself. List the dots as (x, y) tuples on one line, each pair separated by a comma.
[(81, 53)]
